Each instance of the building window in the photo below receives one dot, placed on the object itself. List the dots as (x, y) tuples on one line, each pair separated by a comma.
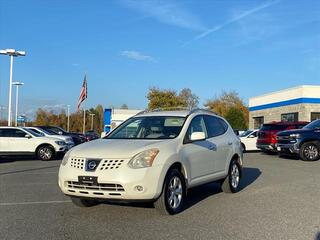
[(290, 117), (257, 122), (315, 116)]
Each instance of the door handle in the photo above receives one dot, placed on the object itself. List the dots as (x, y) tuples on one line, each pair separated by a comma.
[(213, 147)]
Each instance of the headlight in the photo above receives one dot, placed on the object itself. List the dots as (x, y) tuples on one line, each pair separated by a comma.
[(65, 159), (295, 135), (143, 159), (60, 143)]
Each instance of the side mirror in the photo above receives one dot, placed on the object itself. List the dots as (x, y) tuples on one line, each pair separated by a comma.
[(28, 136), (60, 133), (197, 136), (252, 136)]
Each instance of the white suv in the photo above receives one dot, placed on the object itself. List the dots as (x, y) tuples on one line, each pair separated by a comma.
[(154, 156), (23, 141)]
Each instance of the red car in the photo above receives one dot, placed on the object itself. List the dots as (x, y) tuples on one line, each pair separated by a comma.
[(267, 136)]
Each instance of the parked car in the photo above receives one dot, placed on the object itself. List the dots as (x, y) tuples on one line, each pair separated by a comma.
[(91, 135), (303, 142), (267, 136), (57, 130), (45, 133), (249, 140), (23, 141), (81, 136), (154, 156)]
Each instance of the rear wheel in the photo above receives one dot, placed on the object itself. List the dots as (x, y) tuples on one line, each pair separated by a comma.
[(80, 202), (173, 195), (310, 151), (243, 147), (232, 181), (45, 153)]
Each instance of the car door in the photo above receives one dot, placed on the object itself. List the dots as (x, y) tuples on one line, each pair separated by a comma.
[(18, 142), (218, 136), (251, 141), (198, 154)]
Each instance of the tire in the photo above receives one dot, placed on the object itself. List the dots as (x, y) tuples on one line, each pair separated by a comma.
[(243, 147), (310, 151), (80, 202), (172, 198), (45, 153), (232, 182)]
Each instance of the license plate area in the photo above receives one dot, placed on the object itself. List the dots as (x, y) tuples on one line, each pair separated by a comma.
[(88, 180)]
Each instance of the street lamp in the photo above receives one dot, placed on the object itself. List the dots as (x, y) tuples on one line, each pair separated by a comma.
[(92, 115), (17, 84), (12, 53)]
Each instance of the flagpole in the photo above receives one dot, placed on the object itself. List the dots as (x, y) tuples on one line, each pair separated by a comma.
[(84, 116)]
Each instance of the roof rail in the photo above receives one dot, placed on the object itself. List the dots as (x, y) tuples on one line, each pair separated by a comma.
[(202, 110), (193, 110)]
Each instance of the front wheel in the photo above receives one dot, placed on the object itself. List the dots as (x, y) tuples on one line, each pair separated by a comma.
[(45, 153), (232, 181), (173, 195), (310, 151), (80, 202)]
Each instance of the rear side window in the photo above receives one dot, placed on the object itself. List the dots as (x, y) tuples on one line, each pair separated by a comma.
[(215, 126), (10, 132)]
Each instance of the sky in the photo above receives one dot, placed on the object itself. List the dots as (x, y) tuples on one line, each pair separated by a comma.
[(127, 46)]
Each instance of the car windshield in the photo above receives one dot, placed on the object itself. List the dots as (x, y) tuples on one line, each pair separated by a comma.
[(54, 130), (33, 133), (148, 128), (48, 132), (245, 133), (313, 125)]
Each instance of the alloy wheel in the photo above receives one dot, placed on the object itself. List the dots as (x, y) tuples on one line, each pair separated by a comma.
[(311, 152), (45, 153), (235, 176), (175, 192)]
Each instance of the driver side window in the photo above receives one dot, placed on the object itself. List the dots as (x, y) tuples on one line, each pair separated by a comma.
[(197, 125)]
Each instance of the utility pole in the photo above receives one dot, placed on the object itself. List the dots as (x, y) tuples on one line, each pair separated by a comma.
[(68, 116), (17, 84), (92, 116)]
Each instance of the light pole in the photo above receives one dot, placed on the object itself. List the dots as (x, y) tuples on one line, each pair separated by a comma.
[(12, 53), (68, 115), (17, 84), (92, 115)]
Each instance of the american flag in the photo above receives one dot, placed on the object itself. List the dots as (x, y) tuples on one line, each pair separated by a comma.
[(83, 93)]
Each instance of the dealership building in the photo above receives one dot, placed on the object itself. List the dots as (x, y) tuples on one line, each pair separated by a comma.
[(300, 103)]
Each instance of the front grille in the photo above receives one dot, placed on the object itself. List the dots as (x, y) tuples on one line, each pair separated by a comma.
[(77, 163), (106, 187), (108, 164)]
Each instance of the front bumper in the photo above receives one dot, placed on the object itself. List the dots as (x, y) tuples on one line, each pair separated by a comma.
[(291, 148), (122, 183)]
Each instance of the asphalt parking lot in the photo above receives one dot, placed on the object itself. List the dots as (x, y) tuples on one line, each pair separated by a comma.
[(279, 200)]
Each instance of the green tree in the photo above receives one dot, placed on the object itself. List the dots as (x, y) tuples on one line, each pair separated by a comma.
[(236, 118), (124, 106), (227, 100), (189, 99), (163, 99)]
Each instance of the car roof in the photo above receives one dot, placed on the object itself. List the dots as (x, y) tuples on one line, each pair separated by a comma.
[(286, 123)]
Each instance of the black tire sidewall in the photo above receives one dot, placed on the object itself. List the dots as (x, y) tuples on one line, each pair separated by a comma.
[(243, 147), (174, 173)]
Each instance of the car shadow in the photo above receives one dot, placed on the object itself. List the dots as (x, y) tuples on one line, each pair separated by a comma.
[(200, 193), (289, 157)]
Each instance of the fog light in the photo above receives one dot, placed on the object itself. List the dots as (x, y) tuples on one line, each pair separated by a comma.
[(138, 188)]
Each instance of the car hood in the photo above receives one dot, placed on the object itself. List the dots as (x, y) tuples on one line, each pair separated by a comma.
[(293, 131), (112, 148)]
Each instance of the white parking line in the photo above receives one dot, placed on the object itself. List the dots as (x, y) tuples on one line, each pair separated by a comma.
[(32, 203), (23, 173)]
